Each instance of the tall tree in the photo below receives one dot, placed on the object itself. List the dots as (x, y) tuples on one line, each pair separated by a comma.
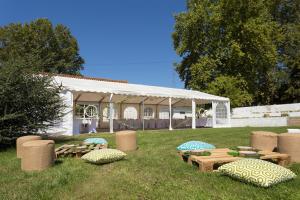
[(229, 38), (287, 14), (40, 44)]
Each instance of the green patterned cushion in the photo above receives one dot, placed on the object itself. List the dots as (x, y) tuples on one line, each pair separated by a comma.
[(258, 172), (102, 156)]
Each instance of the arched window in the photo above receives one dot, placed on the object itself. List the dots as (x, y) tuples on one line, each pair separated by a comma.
[(130, 112), (221, 112), (148, 112), (86, 111)]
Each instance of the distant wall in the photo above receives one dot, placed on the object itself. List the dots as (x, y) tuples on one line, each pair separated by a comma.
[(292, 110), (263, 116), (259, 122)]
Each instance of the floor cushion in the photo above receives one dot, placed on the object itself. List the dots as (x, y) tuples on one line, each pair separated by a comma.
[(95, 141), (195, 145), (102, 156), (258, 172)]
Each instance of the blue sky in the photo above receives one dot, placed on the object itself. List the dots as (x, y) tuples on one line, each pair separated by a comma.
[(118, 39)]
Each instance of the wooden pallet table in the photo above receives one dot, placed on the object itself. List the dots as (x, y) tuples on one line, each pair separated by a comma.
[(280, 158), (207, 163), (76, 150), (214, 152), (220, 156)]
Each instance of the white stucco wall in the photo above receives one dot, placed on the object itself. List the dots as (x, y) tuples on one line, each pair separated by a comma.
[(259, 122), (293, 110)]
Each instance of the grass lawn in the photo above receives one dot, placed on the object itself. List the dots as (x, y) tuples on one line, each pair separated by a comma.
[(152, 172)]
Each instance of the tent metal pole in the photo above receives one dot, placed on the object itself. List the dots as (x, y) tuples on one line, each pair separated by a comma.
[(193, 114), (143, 114), (170, 113), (111, 115)]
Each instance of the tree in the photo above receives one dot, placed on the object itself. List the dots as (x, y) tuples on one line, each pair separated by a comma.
[(230, 38), (29, 102), (39, 44), (234, 88), (287, 14)]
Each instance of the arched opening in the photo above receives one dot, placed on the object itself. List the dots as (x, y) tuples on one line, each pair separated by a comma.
[(130, 112)]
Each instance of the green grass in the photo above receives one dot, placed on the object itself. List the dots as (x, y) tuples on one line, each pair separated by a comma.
[(152, 172)]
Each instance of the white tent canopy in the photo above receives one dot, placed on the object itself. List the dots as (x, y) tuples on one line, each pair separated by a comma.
[(95, 86), (84, 89)]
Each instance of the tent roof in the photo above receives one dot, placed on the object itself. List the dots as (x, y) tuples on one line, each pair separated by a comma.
[(75, 84)]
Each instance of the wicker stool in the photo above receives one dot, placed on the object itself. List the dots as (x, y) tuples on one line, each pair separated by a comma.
[(23, 139), (37, 155), (265, 141), (289, 143), (126, 140)]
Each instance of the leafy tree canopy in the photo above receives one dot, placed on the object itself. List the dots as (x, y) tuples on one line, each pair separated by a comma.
[(40, 44), (254, 45)]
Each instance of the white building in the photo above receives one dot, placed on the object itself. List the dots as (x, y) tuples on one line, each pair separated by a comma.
[(94, 103)]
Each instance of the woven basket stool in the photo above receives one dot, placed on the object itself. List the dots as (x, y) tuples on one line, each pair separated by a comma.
[(289, 143), (126, 140), (265, 141), (37, 155), (23, 139)]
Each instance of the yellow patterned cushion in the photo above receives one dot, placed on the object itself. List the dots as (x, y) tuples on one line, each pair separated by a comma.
[(258, 172), (102, 156)]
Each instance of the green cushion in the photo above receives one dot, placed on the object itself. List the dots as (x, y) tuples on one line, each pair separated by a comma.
[(102, 156), (258, 172)]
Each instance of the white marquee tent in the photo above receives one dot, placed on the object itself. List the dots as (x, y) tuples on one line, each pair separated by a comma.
[(84, 90)]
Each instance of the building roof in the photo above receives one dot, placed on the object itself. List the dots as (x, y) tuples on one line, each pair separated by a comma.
[(77, 84), (86, 77)]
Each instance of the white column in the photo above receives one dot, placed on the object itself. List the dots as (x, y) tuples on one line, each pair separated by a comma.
[(214, 104), (170, 114), (228, 114), (111, 114), (193, 114), (143, 114), (67, 127)]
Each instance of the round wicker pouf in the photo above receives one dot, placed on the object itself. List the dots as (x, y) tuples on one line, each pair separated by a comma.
[(24, 139), (289, 143), (37, 155), (126, 140), (262, 140)]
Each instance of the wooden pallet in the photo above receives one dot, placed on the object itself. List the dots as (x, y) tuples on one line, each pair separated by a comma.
[(207, 163), (77, 150), (214, 152), (220, 156), (279, 158)]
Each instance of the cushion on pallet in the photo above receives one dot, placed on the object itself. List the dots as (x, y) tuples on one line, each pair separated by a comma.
[(95, 141), (257, 172), (195, 145), (102, 156)]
